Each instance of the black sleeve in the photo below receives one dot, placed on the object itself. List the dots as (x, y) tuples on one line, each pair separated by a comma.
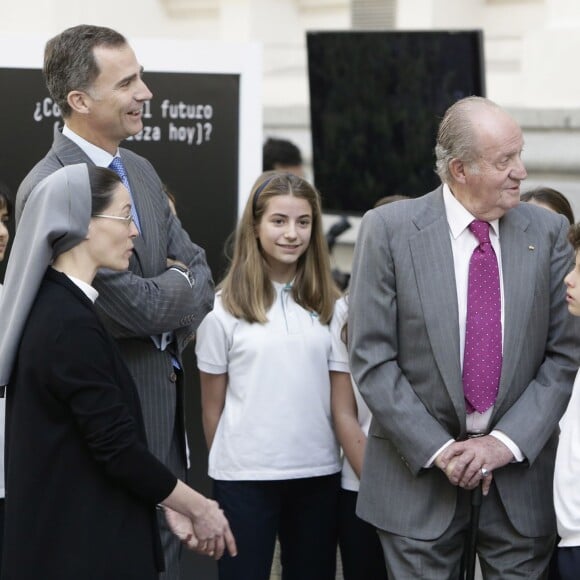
[(83, 377)]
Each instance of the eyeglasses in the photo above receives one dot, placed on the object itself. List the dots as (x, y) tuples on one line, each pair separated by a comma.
[(127, 219)]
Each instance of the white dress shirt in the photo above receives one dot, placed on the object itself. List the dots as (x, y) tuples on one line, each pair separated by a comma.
[(98, 156)]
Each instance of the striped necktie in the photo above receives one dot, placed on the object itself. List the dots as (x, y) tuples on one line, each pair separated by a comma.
[(117, 166)]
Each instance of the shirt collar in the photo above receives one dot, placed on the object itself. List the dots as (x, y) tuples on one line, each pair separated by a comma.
[(98, 156), (90, 292), (279, 286), (458, 217)]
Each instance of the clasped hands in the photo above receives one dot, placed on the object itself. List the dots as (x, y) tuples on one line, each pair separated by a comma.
[(207, 534), (467, 463)]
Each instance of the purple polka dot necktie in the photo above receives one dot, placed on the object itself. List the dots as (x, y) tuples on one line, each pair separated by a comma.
[(119, 168), (482, 357)]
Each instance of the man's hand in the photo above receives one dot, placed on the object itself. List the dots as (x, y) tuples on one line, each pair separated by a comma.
[(463, 461)]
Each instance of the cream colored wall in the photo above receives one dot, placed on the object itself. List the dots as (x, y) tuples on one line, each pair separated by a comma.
[(530, 45)]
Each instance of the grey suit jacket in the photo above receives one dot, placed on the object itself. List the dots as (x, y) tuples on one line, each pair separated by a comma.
[(404, 350), (147, 299)]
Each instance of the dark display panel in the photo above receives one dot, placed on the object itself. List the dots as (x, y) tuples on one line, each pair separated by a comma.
[(376, 99), (190, 135)]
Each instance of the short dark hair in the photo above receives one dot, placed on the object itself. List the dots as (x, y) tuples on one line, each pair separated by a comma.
[(553, 199), (69, 62), (390, 199), (103, 183), (280, 152), (574, 236), (5, 198)]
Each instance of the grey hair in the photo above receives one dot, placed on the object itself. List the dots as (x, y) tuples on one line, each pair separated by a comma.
[(455, 137)]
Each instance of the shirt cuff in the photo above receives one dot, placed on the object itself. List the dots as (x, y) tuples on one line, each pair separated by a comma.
[(186, 274), (431, 461), (338, 366), (501, 436)]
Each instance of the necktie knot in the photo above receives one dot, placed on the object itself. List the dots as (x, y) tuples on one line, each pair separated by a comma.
[(480, 230), (117, 166)]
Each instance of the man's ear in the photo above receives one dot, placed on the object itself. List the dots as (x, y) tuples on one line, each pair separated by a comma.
[(457, 170), (79, 102)]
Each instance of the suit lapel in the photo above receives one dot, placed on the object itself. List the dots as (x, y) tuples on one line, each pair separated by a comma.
[(519, 266), (145, 210), (434, 271), (68, 152)]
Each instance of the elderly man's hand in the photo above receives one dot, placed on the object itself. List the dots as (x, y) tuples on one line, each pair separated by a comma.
[(466, 462)]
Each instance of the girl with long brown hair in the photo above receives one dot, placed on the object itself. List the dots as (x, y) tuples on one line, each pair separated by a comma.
[(263, 353)]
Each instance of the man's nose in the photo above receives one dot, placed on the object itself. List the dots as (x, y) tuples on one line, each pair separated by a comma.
[(143, 92), (519, 171)]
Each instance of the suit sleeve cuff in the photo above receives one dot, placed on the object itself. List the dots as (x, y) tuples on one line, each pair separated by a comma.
[(516, 452), (185, 273), (431, 461)]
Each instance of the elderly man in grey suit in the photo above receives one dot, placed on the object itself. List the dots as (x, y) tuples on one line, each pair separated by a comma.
[(153, 309), (462, 347)]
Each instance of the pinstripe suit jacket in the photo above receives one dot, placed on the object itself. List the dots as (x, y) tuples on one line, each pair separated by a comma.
[(147, 299), (404, 350)]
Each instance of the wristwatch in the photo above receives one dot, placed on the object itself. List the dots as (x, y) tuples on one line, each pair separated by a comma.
[(185, 272)]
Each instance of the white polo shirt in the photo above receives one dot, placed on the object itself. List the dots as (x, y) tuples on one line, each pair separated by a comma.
[(567, 473), (276, 423)]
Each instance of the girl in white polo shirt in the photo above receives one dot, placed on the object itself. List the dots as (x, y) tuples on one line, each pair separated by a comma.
[(360, 548), (263, 355)]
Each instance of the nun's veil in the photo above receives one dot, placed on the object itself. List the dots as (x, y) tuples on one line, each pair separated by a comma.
[(55, 219)]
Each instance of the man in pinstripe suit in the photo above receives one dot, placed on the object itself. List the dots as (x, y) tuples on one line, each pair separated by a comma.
[(428, 446), (153, 309)]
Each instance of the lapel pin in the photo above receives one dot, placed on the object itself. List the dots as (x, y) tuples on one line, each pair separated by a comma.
[(531, 248)]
